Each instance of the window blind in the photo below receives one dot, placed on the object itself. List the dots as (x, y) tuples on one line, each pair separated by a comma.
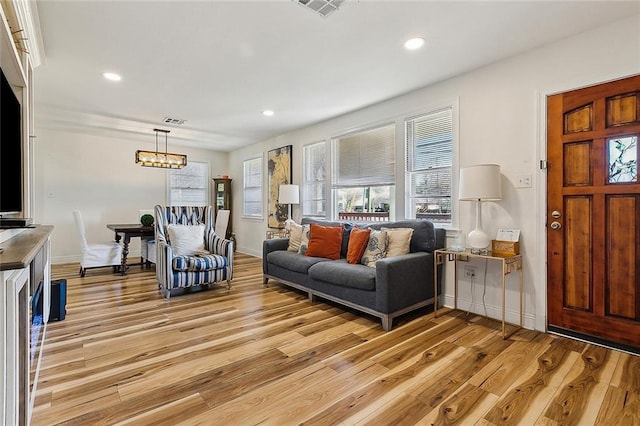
[(189, 186), (429, 143), (314, 177), (365, 159), (252, 187)]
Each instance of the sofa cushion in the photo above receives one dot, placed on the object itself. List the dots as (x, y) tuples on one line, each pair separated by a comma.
[(346, 230), (304, 239), (424, 233), (199, 263), (358, 241), (293, 261), (376, 248), (398, 241), (295, 236), (324, 241), (341, 273)]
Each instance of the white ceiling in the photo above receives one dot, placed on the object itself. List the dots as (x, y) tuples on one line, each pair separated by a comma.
[(218, 65)]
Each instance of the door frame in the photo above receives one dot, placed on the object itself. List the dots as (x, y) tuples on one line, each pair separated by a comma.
[(540, 267)]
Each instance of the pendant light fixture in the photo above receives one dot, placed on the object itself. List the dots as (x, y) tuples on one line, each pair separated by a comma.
[(165, 160)]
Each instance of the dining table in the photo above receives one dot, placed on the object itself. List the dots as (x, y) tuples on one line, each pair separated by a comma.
[(126, 231)]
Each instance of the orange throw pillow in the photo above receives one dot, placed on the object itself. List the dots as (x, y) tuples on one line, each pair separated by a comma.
[(358, 241), (324, 241)]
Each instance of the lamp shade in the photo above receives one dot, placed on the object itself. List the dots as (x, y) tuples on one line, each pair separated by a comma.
[(289, 194), (480, 182)]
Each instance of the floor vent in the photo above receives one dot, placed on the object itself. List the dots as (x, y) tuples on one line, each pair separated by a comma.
[(174, 121), (322, 7)]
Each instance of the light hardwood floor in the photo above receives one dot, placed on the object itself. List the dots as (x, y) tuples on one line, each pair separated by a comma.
[(266, 355)]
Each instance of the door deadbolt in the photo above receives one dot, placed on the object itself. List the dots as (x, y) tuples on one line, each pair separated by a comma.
[(556, 214), (556, 225)]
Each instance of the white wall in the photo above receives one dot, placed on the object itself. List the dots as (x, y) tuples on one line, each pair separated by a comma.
[(97, 175), (501, 120)]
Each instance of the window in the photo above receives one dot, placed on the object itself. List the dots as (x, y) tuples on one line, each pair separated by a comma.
[(623, 159), (429, 140), (252, 187), (314, 175), (189, 186), (363, 181)]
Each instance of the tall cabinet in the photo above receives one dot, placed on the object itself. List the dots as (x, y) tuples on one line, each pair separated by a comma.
[(222, 199)]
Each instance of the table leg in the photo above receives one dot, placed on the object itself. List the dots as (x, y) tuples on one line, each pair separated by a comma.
[(504, 278), (507, 268), (455, 282), (521, 297), (125, 254), (435, 285)]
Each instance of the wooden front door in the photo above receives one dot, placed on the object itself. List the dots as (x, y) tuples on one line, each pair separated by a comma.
[(593, 212)]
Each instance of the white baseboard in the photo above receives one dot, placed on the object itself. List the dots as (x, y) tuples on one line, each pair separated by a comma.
[(512, 316), (249, 251), (57, 260), (75, 258)]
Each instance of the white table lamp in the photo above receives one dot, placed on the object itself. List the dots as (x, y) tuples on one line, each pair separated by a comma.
[(480, 183), (288, 194)]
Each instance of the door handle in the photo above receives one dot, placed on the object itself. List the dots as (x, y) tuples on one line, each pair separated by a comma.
[(556, 214), (556, 225)]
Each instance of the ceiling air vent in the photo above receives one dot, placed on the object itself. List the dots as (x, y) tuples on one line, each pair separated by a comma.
[(174, 121), (322, 7)]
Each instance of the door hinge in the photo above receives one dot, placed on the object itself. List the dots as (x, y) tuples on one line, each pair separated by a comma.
[(544, 164)]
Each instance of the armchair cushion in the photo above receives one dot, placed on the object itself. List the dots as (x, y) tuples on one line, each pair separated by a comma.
[(199, 263), (186, 240)]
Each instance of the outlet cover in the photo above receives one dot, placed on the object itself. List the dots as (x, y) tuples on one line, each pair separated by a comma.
[(523, 181)]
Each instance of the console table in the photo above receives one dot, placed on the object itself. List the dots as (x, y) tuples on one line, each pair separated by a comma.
[(509, 264)]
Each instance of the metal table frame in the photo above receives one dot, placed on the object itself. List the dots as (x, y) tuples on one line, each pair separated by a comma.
[(509, 264)]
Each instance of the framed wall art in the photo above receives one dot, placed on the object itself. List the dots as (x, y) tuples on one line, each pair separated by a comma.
[(280, 173)]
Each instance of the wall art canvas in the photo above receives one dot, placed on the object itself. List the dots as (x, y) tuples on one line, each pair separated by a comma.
[(279, 171)]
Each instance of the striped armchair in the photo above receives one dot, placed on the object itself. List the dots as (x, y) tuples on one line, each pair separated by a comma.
[(201, 269)]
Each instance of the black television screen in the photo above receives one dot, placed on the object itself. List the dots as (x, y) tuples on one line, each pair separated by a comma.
[(10, 150)]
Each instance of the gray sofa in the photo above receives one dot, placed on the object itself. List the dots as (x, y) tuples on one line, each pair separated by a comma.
[(396, 285)]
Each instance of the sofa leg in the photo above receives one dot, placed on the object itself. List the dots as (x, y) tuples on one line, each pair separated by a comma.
[(312, 297), (265, 280), (386, 322), (167, 294), (228, 284)]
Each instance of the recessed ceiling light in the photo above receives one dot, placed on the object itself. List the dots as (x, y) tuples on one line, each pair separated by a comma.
[(414, 43), (112, 76), (268, 112)]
